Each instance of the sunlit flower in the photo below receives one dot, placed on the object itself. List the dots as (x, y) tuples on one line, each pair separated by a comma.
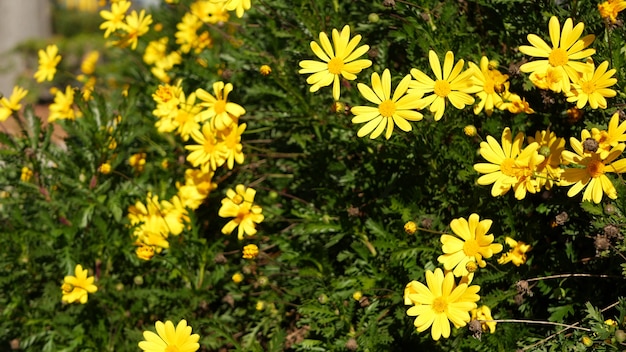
[(440, 303), (566, 49), (589, 170), (410, 227), (105, 168), (250, 251), (239, 6), (390, 111), (548, 172), (63, 105), (167, 98), (610, 9), (470, 130), (265, 70), (183, 121), (144, 251), (451, 84), (135, 26), (471, 243), (196, 189), (593, 87), (237, 277), (114, 19), (611, 137), (239, 204), (48, 61), (517, 253), (208, 154), (509, 165), (76, 288), (155, 51), (492, 84), (88, 66), (515, 104), (482, 314), (548, 80), (137, 161), (342, 60), (170, 339), (230, 138), (210, 11), (219, 110), (13, 104)]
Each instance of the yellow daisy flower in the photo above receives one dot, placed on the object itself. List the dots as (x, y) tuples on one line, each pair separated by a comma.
[(207, 153), (593, 87), (509, 165), (440, 303), (548, 172), (114, 19), (451, 84), (610, 9), (390, 111), (492, 84), (342, 60), (482, 314), (517, 253), (62, 107), (48, 61), (239, 204), (239, 6), (231, 139), (169, 338), (592, 174), (473, 245), (250, 251), (11, 105), (566, 49), (611, 137), (75, 288), (135, 25), (222, 112)]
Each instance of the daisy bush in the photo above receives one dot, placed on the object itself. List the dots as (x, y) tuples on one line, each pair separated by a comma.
[(262, 175)]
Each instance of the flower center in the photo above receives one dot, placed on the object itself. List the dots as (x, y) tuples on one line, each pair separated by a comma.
[(440, 305), (489, 87), (558, 57), (209, 146), (219, 106), (508, 167), (595, 168), (588, 87), (171, 348), (442, 88), (387, 108), (471, 248), (335, 65)]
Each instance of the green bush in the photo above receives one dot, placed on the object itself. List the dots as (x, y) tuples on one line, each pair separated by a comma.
[(334, 256)]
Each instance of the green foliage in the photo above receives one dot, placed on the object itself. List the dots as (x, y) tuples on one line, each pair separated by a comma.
[(334, 258)]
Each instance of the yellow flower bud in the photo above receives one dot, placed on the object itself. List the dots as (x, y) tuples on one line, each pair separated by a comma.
[(237, 278), (469, 130), (357, 295), (265, 70), (410, 227)]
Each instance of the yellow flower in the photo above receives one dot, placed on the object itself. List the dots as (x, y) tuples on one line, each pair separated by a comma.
[(610, 322), (250, 251), (222, 112), (239, 204), (137, 161), (105, 168), (566, 49), (48, 61), (357, 295), (135, 26), (183, 118), (517, 253), (592, 171), (474, 244), (88, 66), (198, 185), (548, 172), (440, 303), (265, 70), (340, 61), (450, 84), (168, 98), (607, 139), (610, 9), (230, 138), (239, 6), (8, 106), (187, 34), (593, 87), (237, 278), (27, 174), (390, 110), (260, 305), (492, 84), (114, 19), (145, 252), (548, 80), (515, 104), (75, 288), (481, 314), (410, 227), (155, 51), (469, 130), (208, 154), (170, 339), (209, 12), (62, 107), (509, 165)]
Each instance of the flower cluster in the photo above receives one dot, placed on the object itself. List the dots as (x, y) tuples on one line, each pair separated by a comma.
[(545, 162)]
